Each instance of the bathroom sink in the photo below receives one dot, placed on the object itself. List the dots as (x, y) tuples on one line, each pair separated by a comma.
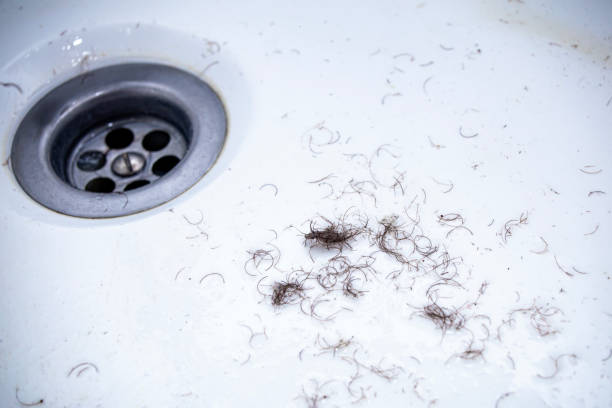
[(411, 207)]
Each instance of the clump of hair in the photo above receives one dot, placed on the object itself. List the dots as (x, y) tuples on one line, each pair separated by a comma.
[(444, 318), (389, 235), (287, 292), (333, 235)]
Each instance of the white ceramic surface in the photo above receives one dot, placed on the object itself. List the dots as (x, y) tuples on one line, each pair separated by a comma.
[(125, 295)]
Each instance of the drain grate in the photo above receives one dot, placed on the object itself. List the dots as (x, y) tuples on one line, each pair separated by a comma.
[(118, 140), (127, 154)]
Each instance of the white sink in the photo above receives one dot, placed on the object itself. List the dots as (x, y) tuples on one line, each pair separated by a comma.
[(490, 111)]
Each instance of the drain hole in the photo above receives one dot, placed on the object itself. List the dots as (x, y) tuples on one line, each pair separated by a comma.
[(119, 138), (136, 184), (156, 140), (91, 161), (164, 165), (100, 185)]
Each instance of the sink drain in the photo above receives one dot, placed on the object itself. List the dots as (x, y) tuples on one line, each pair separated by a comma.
[(118, 140), (125, 154)]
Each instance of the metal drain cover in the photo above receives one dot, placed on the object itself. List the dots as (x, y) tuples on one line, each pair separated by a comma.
[(118, 140)]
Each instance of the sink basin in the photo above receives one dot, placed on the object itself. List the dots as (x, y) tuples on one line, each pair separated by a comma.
[(412, 207)]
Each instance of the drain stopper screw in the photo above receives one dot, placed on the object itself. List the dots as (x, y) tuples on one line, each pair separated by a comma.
[(128, 164)]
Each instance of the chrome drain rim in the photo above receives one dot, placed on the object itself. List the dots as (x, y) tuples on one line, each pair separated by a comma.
[(118, 140)]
